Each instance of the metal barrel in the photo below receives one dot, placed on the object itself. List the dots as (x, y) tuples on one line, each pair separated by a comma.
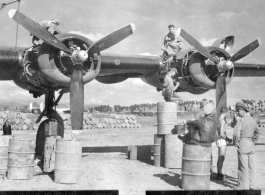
[(166, 117), (68, 155), (7, 129), (214, 157), (173, 151), (159, 150), (4, 143), (49, 153), (21, 153), (196, 167), (179, 129)]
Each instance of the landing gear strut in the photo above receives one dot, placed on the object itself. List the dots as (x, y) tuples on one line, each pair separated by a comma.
[(52, 115)]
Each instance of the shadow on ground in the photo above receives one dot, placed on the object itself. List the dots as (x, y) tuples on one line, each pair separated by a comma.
[(228, 181), (170, 178), (105, 149)]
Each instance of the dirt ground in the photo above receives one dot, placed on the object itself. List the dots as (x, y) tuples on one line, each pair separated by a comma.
[(105, 165)]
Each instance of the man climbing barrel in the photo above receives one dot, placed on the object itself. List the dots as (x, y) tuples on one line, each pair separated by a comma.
[(170, 85)]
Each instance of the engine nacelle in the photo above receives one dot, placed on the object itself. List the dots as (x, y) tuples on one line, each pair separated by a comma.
[(57, 66), (205, 75), (195, 76)]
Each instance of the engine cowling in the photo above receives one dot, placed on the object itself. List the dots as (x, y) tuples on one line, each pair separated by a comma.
[(195, 76), (56, 66), (206, 75)]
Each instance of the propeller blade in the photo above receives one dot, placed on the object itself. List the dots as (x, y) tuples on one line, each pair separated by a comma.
[(221, 97), (35, 29), (77, 99), (245, 50), (197, 45), (112, 38)]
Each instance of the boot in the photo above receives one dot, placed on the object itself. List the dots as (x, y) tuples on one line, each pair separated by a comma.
[(219, 176)]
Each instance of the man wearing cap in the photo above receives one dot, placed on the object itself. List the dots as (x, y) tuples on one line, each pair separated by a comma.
[(170, 86), (173, 40), (247, 133), (49, 25)]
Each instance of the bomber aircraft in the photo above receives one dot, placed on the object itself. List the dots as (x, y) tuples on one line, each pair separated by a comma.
[(56, 66)]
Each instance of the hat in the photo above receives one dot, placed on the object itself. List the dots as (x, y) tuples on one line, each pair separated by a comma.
[(241, 105), (208, 108), (173, 70)]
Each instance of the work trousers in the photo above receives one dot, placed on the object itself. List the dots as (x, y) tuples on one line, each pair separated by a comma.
[(246, 170), (174, 98), (176, 46)]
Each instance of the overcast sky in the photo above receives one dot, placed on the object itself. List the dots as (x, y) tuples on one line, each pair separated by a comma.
[(205, 20)]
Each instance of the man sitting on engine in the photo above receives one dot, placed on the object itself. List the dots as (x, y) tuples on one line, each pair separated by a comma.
[(173, 40)]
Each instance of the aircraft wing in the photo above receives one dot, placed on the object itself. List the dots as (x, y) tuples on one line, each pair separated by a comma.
[(249, 70), (117, 68)]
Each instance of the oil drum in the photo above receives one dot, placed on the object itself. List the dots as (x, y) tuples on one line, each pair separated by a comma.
[(68, 155), (166, 117), (173, 151), (7, 128), (21, 153), (4, 143), (159, 150), (196, 161)]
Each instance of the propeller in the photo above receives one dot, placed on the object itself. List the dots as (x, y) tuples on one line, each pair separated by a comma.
[(78, 57), (77, 98), (77, 94), (112, 38), (223, 65), (35, 29), (197, 45), (245, 50), (220, 93)]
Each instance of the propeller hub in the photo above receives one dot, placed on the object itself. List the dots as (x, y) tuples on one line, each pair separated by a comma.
[(79, 56), (225, 65)]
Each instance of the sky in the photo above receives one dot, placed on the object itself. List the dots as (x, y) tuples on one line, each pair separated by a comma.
[(205, 20)]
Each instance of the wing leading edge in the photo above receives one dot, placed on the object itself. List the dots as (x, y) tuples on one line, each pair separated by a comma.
[(249, 70), (139, 65)]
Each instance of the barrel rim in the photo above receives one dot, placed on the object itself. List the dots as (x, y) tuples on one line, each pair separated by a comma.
[(17, 152), (186, 173), (197, 160), (18, 139), (15, 166)]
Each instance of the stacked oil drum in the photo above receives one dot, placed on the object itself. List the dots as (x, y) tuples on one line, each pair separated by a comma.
[(167, 146), (16, 157), (61, 155), (18, 120), (112, 121)]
